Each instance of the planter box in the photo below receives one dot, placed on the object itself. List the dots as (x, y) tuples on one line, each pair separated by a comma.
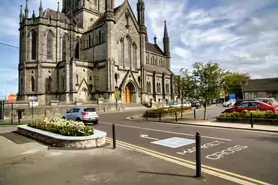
[(248, 120), (98, 139)]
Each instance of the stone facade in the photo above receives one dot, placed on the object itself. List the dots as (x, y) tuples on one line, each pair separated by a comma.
[(91, 50), (260, 88)]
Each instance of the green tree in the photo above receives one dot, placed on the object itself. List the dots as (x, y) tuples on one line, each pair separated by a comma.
[(187, 84), (209, 78), (232, 83)]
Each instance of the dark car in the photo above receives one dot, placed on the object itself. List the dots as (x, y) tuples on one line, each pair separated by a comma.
[(240, 101)]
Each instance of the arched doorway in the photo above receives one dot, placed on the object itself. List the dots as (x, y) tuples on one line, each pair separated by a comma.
[(129, 94), (83, 94)]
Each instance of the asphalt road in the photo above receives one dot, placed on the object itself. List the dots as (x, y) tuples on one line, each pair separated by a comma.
[(251, 154)]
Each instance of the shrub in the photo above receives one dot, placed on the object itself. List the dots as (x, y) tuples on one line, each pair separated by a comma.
[(163, 111), (62, 126), (247, 114)]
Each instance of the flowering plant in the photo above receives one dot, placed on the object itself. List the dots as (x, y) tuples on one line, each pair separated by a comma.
[(62, 126)]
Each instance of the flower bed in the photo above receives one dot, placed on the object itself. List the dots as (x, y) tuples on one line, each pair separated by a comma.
[(62, 126), (164, 111), (261, 117), (247, 114)]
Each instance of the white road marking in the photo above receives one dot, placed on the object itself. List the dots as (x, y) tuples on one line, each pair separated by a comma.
[(193, 149), (219, 155), (147, 137), (170, 132)]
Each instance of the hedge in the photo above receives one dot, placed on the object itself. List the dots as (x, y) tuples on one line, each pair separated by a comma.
[(247, 114), (163, 111), (62, 126)]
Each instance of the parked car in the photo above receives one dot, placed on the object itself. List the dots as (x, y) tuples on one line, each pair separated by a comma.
[(184, 104), (229, 103), (240, 101), (270, 101), (251, 106), (86, 115)]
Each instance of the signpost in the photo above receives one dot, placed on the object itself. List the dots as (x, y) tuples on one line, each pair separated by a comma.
[(12, 99), (33, 98), (117, 95)]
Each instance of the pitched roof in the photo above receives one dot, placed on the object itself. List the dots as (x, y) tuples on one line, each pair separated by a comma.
[(261, 85), (101, 19), (53, 15), (154, 48), (158, 69)]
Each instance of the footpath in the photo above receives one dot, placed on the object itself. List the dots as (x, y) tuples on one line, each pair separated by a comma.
[(33, 163), (211, 123)]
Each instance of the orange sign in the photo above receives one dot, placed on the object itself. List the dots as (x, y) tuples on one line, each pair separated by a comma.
[(12, 98)]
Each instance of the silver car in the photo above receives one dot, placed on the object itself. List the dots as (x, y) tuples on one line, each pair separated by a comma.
[(87, 115)]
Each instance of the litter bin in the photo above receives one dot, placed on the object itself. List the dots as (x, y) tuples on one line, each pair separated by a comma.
[(2, 103), (19, 114)]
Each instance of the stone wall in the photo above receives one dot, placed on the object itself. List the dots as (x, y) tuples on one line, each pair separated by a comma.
[(57, 111)]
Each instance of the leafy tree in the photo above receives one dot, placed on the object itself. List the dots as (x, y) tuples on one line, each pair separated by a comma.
[(209, 78), (187, 85), (177, 86), (232, 83)]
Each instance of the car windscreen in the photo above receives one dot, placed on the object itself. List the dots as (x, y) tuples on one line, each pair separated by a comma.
[(90, 110)]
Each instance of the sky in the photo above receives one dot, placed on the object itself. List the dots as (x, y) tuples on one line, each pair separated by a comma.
[(240, 35)]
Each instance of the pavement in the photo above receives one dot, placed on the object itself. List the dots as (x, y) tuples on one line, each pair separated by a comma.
[(235, 152), (30, 163), (228, 155)]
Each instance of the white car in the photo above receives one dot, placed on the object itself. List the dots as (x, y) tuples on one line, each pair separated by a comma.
[(229, 103), (86, 115)]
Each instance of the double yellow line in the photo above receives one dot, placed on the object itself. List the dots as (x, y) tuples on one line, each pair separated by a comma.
[(189, 164)]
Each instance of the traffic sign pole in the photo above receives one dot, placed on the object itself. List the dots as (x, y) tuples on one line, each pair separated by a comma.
[(12, 113)]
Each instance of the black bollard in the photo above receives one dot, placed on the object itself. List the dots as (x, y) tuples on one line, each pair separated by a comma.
[(251, 120), (198, 155), (194, 113), (114, 136), (176, 116)]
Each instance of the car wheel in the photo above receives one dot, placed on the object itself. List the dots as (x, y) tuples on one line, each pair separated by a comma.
[(63, 117), (78, 119), (96, 122)]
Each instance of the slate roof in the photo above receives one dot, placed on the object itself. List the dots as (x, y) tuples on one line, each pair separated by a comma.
[(154, 48), (101, 19), (158, 69), (261, 85), (53, 15)]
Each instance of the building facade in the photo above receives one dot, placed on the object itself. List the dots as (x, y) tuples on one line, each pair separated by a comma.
[(92, 49), (260, 88)]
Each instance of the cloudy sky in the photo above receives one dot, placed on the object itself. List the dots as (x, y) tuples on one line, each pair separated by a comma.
[(241, 35)]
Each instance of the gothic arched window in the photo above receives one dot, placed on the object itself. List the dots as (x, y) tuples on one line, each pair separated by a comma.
[(99, 37), (49, 52), (157, 86), (134, 54), (64, 47), (34, 45), (49, 84), (32, 84), (129, 61), (121, 53), (77, 50), (77, 80)]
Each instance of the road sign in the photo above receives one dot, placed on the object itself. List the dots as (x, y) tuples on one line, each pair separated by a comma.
[(117, 94), (34, 98), (12, 98)]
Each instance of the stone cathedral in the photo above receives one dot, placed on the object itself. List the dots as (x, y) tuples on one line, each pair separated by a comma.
[(89, 50)]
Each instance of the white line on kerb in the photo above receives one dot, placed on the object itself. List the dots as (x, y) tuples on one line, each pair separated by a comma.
[(192, 135)]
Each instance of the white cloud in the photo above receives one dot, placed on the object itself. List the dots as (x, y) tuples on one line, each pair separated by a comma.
[(241, 35)]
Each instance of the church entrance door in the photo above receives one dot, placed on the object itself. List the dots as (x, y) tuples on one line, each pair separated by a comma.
[(129, 94), (83, 94)]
